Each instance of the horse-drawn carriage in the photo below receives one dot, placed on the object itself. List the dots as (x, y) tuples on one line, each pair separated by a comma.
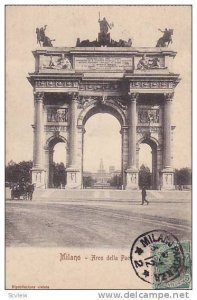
[(24, 190)]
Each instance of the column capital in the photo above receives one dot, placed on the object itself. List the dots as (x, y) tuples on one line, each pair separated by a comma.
[(168, 96), (39, 96), (74, 96), (133, 97)]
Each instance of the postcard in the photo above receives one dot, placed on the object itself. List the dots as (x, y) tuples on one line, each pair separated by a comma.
[(98, 147)]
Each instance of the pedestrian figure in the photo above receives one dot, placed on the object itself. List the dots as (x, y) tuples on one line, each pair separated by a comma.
[(144, 196)]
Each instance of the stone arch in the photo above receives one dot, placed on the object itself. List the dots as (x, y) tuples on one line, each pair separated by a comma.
[(94, 108), (154, 145), (151, 141), (54, 139), (112, 109), (49, 153)]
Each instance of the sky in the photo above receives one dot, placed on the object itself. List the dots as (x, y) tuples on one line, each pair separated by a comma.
[(65, 25)]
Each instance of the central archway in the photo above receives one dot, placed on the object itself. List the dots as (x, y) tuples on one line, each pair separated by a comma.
[(110, 111), (102, 152)]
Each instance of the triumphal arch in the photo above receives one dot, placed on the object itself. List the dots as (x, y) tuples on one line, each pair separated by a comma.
[(135, 85)]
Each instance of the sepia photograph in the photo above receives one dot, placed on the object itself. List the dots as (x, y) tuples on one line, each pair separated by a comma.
[(98, 174)]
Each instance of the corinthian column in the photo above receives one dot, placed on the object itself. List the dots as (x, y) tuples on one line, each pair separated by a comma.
[(167, 172), (38, 172), (132, 172), (38, 130), (73, 130), (167, 129), (132, 130), (74, 179)]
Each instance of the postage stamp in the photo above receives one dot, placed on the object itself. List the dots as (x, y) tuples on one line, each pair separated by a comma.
[(159, 258)]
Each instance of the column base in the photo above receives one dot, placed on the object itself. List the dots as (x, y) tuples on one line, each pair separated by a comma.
[(39, 178), (73, 178), (167, 179), (131, 179)]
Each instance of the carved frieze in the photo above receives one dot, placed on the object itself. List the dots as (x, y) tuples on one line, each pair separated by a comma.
[(152, 84), (57, 115), (112, 86), (56, 84)]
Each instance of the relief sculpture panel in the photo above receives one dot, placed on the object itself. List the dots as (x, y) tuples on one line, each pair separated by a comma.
[(148, 116), (57, 115)]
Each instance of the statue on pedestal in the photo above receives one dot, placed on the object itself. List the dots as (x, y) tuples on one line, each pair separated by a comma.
[(104, 36)]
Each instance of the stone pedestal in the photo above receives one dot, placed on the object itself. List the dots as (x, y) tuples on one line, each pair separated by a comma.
[(39, 178), (132, 179), (167, 179), (73, 179)]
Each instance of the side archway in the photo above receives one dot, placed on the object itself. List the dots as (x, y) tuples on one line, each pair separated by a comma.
[(154, 146), (49, 156), (53, 140)]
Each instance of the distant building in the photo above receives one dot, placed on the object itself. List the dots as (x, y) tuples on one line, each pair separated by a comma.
[(101, 177), (111, 169)]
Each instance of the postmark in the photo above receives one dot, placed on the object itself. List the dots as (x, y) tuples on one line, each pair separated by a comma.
[(157, 257)]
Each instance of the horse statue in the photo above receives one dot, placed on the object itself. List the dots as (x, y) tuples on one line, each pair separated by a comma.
[(166, 39), (42, 39)]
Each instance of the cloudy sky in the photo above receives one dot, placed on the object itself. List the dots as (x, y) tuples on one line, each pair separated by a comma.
[(66, 24)]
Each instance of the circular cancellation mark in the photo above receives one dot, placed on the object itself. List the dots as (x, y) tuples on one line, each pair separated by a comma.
[(157, 257)]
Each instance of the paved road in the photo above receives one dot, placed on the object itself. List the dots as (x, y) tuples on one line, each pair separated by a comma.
[(91, 225)]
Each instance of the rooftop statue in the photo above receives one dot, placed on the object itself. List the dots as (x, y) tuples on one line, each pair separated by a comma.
[(104, 25), (42, 39), (104, 37), (166, 39)]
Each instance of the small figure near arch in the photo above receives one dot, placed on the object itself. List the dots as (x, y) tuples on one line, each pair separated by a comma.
[(144, 195)]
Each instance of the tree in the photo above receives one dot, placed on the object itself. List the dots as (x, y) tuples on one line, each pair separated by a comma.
[(144, 176), (88, 181), (59, 174), (183, 176), (116, 180), (15, 171)]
